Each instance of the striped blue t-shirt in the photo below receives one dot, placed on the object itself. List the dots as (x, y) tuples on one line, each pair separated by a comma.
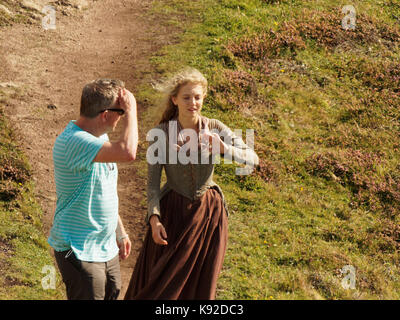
[(86, 215)]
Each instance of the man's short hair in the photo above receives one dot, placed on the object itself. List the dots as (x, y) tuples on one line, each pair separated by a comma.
[(98, 95)]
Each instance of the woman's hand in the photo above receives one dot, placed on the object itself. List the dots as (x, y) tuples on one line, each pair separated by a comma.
[(158, 231), (210, 140)]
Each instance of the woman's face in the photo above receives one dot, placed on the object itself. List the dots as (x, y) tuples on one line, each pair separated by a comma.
[(189, 100)]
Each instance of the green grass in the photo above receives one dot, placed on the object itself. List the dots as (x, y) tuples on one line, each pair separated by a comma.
[(26, 264), (324, 105), (24, 251)]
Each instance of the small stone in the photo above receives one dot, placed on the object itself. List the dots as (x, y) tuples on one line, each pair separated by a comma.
[(31, 5), (79, 4), (9, 84), (5, 10)]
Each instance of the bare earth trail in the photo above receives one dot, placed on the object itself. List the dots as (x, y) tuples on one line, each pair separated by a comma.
[(110, 39)]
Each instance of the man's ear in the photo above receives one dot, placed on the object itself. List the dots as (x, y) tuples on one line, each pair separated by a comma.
[(103, 116)]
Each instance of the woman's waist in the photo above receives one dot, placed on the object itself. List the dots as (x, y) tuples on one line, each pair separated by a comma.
[(191, 191)]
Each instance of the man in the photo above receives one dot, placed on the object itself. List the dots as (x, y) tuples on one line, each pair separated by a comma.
[(87, 235)]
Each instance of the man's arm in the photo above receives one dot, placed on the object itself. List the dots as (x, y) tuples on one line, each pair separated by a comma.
[(125, 148), (120, 229)]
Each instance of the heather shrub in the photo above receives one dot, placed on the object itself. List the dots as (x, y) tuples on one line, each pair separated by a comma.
[(14, 170), (237, 89), (357, 170), (322, 27)]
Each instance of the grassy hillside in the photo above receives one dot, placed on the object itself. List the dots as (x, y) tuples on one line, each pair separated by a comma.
[(24, 252), (25, 259), (30, 11), (324, 104)]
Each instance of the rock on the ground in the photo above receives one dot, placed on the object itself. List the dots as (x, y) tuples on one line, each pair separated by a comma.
[(33, 5), (38, 5), (9, 84), (5, 10), (78, 4)]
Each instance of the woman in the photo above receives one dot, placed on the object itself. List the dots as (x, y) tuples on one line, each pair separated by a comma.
[(184, 249)]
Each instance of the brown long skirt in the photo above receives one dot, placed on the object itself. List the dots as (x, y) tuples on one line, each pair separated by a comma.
[(189, 266)]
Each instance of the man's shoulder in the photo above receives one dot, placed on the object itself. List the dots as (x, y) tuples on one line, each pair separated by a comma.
[(77, 147), (72, 134), (74, 138)]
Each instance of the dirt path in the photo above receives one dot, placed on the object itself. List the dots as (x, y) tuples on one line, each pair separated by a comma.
[(111, 39)]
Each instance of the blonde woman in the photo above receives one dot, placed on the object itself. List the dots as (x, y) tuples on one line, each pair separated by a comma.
[(184, 248)]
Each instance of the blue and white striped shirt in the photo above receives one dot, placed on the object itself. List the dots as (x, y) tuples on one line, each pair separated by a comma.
[(86, 215)]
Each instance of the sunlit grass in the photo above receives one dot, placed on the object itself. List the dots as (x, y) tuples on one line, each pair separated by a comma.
[(291, 235), (24, 251)]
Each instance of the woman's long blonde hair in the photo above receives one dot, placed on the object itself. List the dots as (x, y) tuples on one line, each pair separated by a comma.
[(172, 86)]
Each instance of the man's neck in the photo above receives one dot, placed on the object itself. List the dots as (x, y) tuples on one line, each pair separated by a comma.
[(89, 125)]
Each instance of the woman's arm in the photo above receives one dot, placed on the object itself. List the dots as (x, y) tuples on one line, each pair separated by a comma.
[(153, 190), (232, 147), (153, 203)]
